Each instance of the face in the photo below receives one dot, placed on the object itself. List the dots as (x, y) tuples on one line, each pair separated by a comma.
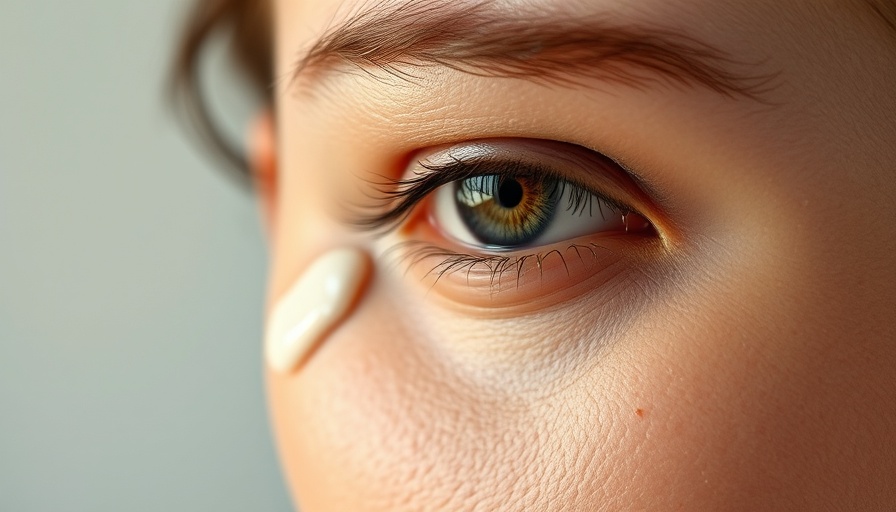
[(623, 257)]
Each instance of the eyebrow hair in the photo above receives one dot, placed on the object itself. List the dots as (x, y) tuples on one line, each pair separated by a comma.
[(885, 11), (488, 40)]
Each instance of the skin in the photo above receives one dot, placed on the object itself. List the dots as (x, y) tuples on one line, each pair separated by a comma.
[(743, 360)]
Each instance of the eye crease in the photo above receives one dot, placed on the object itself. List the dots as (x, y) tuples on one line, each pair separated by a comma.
[(476, 164)]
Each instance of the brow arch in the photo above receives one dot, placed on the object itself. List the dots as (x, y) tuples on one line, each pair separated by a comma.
[(485, 39)]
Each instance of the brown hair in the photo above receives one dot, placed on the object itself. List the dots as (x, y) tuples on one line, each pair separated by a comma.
[(247, 25)]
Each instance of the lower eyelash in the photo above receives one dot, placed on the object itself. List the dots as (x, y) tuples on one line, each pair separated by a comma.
[(413, 252)]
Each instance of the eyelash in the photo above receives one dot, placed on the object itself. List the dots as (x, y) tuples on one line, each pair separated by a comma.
[(400, 197), (497, 264)]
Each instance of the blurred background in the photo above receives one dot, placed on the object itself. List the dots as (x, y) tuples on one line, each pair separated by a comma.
[(131, 277)]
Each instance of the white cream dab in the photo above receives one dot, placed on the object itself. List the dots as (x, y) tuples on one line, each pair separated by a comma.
[(319, 299)]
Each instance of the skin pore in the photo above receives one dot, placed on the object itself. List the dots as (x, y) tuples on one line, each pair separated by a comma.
[(739, 354)]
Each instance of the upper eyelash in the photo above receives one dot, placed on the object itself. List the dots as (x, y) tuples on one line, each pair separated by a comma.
[(401, 196)]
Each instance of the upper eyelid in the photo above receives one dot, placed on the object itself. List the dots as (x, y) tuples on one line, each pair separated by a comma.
[(402, 195)]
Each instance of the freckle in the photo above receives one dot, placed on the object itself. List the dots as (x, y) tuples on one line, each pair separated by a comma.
[(639, 412)]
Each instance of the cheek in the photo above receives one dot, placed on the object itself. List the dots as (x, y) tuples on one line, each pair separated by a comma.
[(407, 407), (439, 414), (747, 411), (385, 416)]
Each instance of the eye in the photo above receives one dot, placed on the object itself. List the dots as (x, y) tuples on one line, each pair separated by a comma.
[(520, 209), (507, 222)]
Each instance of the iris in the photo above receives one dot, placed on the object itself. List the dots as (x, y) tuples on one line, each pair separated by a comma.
[(507, 211)]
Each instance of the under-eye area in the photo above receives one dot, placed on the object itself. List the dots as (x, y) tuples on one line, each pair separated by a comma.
[(538, 278)]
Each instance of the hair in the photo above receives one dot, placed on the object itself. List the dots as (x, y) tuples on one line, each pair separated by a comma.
[(247, 25)]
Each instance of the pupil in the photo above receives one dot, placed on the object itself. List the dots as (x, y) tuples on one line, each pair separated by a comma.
[(510, 193)]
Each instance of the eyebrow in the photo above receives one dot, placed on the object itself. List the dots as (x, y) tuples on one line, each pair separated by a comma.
[(488, 40), (885, 11)]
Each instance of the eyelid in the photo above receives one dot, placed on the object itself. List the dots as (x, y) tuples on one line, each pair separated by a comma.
[(576, 164), (513, 280), (444, 164)]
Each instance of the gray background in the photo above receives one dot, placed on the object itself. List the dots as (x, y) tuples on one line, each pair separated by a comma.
[(131, 279)]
